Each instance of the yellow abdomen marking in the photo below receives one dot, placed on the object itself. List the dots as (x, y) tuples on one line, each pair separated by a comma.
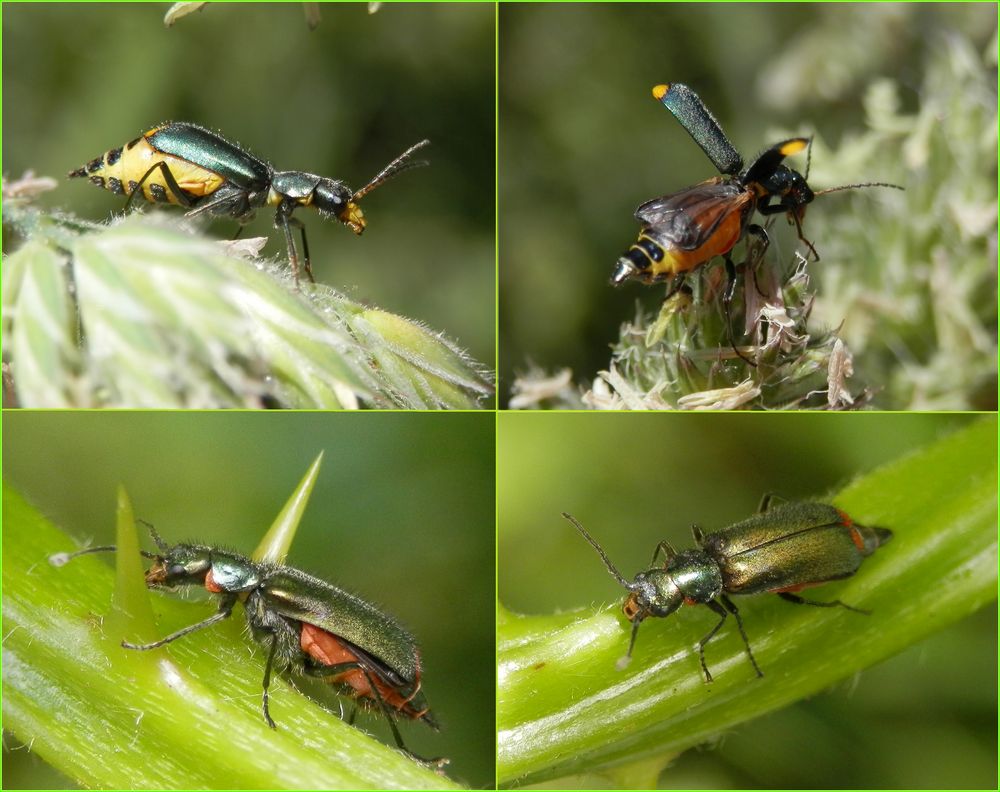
[(121, 170)]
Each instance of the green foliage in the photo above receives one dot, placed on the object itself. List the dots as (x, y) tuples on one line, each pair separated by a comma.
[(142, 314), (682, 358), (350, 95), (564, 708)]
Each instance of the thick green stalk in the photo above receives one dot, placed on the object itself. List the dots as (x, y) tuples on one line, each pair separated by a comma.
[(182, 716), (564, 708)]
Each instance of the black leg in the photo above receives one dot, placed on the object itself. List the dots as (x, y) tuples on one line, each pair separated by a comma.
[(307, 264), (739, 623), (766, 501), (225, 609), (267, 678), (666, 549), (727, 299), (789, 597), (754, 257), (339, 668), (715, 606), (808, 244), (168, 177), (631, 644), (282, 221)]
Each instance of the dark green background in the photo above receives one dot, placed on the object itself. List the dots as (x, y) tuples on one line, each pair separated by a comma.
[(341, 101), (924, 719), (402, 513)]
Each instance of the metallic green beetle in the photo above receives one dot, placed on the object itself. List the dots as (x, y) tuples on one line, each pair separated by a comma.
[(187, 165), (305, 624), (781, 550)]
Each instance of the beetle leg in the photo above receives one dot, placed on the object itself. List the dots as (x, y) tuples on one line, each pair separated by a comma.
[(715, 606), (789, 597), (739, 623), (305, 247), (722, 611), (667, 550), (631, 644), (225, 610), (168, 177), (793, 216), (267, 678), (766, 500), (340, 668), (754, 257), (283, 219), (727, 299), (225, 201), (385, 711), (798, 228)]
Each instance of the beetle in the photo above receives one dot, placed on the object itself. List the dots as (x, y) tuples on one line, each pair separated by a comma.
[(190, 166), (683, 230), (780, 550), (305, 624)]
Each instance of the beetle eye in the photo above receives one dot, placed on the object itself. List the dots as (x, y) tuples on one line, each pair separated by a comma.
[(332, 197), (176, 570)]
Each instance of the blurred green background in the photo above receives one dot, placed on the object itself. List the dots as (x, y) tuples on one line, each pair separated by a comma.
[(924, 719), (582, 143), (341, 101), (402, 513)]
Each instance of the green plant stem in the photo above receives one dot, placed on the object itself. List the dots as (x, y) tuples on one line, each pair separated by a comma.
[(564, 708), (183, 716)]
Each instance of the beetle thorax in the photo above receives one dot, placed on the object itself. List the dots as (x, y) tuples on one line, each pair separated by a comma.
[(234, 573), (696, 575)]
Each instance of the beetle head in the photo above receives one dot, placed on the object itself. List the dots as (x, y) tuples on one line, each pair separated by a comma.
[(791, 189), (652, 593), (335, 201), (180, 565)]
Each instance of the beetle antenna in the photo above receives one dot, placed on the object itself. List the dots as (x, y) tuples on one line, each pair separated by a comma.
[(855, 186), (60, 559), (809, 156), (600, 551), (394, 168), (162, 546)]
